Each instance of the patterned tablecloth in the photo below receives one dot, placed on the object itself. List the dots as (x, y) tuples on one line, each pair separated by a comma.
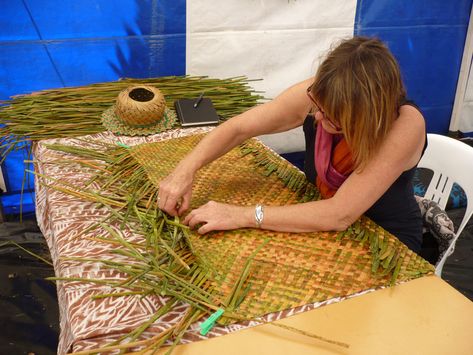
[(85, 322)]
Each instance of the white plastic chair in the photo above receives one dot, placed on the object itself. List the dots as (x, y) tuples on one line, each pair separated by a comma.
[(451, 162)]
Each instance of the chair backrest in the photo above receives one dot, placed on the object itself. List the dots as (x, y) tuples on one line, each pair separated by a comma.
[(451, 162)]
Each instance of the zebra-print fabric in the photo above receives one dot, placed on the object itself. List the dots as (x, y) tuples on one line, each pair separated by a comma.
[(437, 222)]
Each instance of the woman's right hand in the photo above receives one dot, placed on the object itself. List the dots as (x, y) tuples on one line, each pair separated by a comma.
[(175, 191)]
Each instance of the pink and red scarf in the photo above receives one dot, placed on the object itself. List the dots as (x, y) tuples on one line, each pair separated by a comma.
[(333, 161)]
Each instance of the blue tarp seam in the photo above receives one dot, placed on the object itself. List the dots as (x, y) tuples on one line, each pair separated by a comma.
[(45, 47)]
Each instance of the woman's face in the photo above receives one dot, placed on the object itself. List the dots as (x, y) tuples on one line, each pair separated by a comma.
[(319, 114), (328, 125)]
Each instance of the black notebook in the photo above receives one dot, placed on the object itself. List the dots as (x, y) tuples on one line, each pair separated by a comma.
[(203, 114)]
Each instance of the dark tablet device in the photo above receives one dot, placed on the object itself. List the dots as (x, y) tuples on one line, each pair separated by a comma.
[(196, 112)]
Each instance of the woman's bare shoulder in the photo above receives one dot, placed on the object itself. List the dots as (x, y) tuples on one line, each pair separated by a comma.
[(409, 128), (409, 114)]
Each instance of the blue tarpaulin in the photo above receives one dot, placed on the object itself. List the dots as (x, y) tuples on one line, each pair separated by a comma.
[(51, 44), (61, 43)]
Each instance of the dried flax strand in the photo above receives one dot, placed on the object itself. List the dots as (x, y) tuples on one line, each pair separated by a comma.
[(311, 335)]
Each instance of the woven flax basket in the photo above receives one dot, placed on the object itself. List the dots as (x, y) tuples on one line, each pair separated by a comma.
[(140, 105)]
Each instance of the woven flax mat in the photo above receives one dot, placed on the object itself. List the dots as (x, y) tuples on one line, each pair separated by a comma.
[(290, 269)]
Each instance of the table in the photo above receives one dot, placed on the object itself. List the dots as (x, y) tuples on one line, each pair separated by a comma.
[(422, 316), (88, 323)]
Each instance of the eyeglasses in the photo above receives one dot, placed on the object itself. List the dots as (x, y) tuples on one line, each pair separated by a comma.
[(324, 116)]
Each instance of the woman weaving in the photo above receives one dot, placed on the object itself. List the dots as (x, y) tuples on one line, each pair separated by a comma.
[(365, 137)]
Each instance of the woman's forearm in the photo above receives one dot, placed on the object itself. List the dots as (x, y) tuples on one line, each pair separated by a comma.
[(307, 217), (285, 112)]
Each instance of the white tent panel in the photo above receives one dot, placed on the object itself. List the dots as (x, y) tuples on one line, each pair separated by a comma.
[(280, 42), (244, 15), (462, 114), (466, 116)]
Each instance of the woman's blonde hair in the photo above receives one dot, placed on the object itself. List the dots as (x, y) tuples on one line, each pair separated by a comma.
[(359, 86)]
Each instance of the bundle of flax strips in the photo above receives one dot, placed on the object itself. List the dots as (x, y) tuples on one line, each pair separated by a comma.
[(231, 276), (76, 111)]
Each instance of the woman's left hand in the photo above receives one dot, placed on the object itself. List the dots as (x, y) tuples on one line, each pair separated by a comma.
[(219, 216)]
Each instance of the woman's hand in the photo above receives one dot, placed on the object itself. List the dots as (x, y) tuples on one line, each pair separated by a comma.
[(175, 192), (219, 216)]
